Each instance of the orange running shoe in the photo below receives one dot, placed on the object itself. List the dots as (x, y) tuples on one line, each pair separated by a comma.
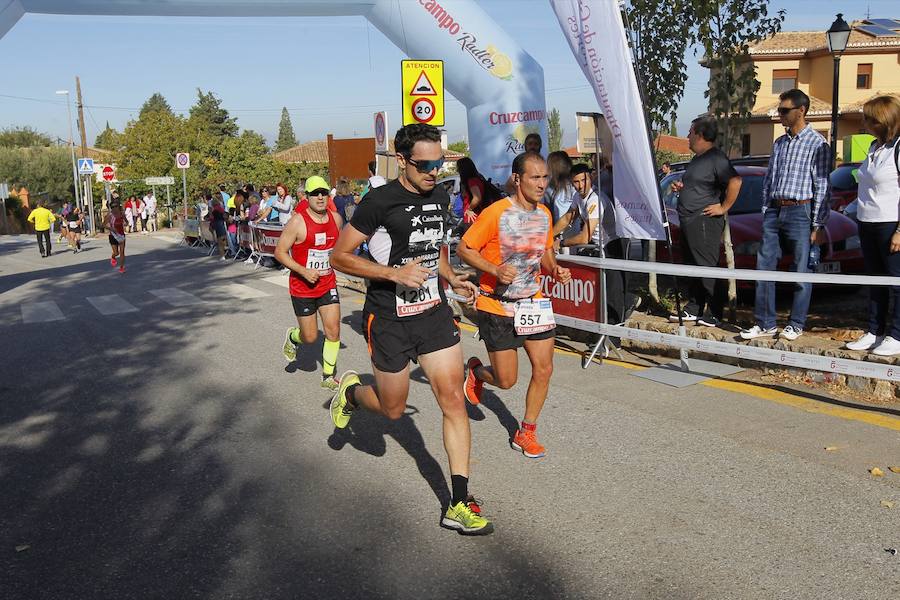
[(472, 386), (526, 442)]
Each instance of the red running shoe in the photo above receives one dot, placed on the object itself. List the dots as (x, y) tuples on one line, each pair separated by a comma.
[(112, 261), (121, 269), (526, 442), (472, 386)]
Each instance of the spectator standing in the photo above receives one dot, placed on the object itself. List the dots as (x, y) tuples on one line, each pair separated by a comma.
[(561, 195), (879, 223), (471, 185), (130, 213), (796, 205), (253, 209), (706, 192), (283, 203), (150, 203), (141, 213), (343, 198), (41, 218), (375, 180), (219, 220)]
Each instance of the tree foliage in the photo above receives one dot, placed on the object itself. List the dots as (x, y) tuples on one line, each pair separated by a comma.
[(659, 31), (46, 172), (209, 116), (155, 103), (554, 131), (286, 137), (23, 137), (461, 146), (108, 139), (725, 30)]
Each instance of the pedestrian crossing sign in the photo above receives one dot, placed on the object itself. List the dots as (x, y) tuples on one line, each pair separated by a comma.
[(423, 91), (85, 166)]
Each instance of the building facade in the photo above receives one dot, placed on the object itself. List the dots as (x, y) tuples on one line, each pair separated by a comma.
[(800, 59)]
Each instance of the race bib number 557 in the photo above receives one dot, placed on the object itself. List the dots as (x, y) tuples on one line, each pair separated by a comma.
[(533, 316), (413, 301)]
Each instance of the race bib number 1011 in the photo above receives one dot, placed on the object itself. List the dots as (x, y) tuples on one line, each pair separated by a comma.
[(412, 301)]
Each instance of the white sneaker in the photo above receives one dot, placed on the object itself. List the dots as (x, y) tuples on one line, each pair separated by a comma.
[(888, 347), (866, 342), (757, 331), (791, 333)]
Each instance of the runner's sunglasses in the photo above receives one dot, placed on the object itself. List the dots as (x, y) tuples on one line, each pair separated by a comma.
[(319, 193), (426, 166)]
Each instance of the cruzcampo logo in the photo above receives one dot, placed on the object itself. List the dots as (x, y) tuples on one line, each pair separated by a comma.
[(503, 66), (515, 143)]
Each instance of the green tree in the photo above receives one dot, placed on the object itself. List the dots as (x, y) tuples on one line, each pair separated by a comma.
[(461, 146), (149, 144), (659, 31), (45, 171), (23, 137), (156, 102), (286, 137), (554, 131), (725, 30), (208, 115), (109, 139)]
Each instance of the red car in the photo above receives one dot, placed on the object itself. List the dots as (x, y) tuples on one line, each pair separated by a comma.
[(840, 254)]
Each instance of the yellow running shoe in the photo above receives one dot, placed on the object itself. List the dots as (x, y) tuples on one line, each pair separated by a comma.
[(330, 383), (289, 349), (463, 519), (341, 411)]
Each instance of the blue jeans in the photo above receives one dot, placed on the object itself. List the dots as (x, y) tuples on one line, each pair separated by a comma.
[(232, 242), (786, 228)]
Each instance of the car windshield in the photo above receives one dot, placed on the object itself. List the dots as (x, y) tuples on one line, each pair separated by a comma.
[(749, 199), (843, 178)]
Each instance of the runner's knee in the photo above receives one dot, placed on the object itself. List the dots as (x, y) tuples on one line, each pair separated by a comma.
[(542, 371), (504, 380)]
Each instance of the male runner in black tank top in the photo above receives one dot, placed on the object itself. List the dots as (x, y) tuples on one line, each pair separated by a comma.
[(406, 316)]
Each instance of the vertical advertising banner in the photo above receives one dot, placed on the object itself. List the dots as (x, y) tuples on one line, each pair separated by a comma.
[(597, 38)]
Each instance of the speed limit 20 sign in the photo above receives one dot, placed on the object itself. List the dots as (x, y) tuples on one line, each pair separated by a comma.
[(423, 92)]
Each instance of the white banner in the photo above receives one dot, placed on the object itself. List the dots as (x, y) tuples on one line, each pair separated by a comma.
[(596, 35)]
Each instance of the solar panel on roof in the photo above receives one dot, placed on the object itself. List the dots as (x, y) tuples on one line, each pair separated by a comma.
[(877, 31), (886, 23)]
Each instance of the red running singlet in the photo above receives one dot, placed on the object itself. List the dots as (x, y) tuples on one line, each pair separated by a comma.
[(315, 253)]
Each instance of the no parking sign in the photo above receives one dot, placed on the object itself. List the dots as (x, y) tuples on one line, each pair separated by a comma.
[(183, 160)]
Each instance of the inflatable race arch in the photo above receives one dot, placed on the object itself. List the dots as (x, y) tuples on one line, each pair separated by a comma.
[(501, 86)]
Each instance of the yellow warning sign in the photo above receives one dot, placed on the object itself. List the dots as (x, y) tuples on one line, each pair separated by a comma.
[(423, 91)]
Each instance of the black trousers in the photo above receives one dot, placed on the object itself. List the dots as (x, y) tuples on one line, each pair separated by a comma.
[(43, 238), (701, 239), (878, 259)]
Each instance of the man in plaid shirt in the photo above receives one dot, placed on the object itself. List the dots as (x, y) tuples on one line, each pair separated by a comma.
[(796, 205)]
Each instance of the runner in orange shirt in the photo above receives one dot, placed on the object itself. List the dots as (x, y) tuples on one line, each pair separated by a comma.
[(510, 242)]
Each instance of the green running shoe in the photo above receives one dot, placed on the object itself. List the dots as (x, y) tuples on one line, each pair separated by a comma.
[(465, 521), (340, 408), (330, 383), (289, 349)]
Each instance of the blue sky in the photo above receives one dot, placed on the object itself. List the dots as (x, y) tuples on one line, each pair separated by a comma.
[(331, 73)]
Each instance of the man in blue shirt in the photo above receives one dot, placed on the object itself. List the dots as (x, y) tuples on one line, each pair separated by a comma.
[(796, 205)]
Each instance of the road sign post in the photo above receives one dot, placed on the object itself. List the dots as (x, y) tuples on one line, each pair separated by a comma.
[(423, 91), (183, 162), (4, 195), (381, 129)]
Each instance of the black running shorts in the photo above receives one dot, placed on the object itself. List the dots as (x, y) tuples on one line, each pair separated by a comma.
[(499, 333), (395, 342), (304, 307)]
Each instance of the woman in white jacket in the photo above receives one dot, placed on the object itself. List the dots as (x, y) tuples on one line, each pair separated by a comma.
[(879, 223)]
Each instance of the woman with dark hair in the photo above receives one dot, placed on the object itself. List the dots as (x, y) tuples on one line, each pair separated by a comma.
[(343, 198), (560, 195), (471, 185)]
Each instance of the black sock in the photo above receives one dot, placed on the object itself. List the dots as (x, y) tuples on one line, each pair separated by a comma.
[(460, 489), (351, 396)]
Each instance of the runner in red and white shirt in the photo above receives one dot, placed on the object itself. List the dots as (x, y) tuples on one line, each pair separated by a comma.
[(305, 248)]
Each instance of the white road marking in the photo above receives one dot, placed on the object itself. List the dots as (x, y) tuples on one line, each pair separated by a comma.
[(241, 291), (41, 312), (111, 305), (176, 297)]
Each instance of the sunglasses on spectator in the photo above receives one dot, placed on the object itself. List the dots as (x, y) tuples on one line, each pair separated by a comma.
[(319, 193), (783, 110), (426, 166)]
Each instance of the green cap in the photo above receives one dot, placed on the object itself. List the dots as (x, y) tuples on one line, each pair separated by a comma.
[(316, 183)]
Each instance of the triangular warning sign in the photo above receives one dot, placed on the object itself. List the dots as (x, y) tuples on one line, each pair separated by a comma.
[(423, 87)]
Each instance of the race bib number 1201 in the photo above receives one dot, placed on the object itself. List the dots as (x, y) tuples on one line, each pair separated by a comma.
[(534, 316), (412, 301)]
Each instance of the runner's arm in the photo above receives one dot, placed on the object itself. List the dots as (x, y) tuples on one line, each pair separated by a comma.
[(549, 264), (344, 260), (457, 281), (473, 258)]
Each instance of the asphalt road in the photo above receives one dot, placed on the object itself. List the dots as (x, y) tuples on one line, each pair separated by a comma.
[(154, 444)]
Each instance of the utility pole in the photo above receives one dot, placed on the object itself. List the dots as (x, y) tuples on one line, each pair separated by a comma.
[(88, 196)]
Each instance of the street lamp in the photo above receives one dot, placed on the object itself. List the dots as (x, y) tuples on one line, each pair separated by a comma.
[(71, 145), (837, 34)]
